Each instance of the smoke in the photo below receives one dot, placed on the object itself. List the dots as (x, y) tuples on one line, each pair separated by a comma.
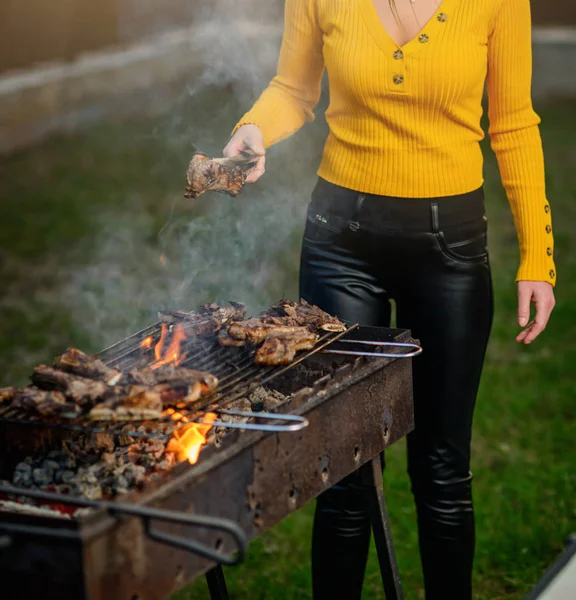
[(156, 250)]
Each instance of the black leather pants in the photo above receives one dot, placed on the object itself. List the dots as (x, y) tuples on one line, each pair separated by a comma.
[(430, 257)]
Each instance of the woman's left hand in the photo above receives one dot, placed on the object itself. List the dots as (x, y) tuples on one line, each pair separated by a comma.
[(542, 294)]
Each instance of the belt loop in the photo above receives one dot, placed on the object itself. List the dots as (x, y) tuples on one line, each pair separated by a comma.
[(435, 217), (360, 203)]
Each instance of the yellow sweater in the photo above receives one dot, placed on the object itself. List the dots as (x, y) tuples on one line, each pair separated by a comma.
[(405, 121)]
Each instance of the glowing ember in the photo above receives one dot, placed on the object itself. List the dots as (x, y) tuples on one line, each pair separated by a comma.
[(146, 343), (171, 355), (188, 440)]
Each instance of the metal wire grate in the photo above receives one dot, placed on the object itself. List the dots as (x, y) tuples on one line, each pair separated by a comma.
[(237, 373)]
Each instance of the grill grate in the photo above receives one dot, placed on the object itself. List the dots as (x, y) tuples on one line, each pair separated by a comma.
[(234, 367)]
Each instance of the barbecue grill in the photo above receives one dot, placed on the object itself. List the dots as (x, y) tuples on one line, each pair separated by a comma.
[(350, 398)]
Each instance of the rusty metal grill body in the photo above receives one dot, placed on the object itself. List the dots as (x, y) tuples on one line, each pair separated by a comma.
[(355, 407)]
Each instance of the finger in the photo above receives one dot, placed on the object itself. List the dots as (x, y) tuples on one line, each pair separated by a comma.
[(522, 335), (534, 332), (257, 171), (524, 297), (233, 148)]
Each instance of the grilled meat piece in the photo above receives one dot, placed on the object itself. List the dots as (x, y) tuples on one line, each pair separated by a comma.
[(43, 402), (280, 349), (6, 395), (206, 174), (173, 376), (208, 320), (76, 362), (82, 391), (224, 339), (138, 403), (179, 394), (254, 331), (302, 313)]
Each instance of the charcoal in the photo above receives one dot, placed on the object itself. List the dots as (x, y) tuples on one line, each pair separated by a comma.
[(50, 465), (42, 476), (134, 474), (67, 476), (23, 474)]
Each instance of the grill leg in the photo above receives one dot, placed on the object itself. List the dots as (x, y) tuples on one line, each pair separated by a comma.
[(372, 479), (217, 584)]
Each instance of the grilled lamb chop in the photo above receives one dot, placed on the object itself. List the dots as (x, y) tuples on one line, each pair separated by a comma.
[(42, 402), (138, 403), (173, 376), (302, 313), (206, 174), (280, 349), (254, 331), (208, 320), (76, 362), (82, 391)]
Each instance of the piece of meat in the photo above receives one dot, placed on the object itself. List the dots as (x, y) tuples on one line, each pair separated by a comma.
[(172, 376), (46, 403), (138, 403), (281, 349), (76, 362), (207, 174), (208, 320), (84, 392), (253, 331), (302, 313), (76, 388), (180, 394), (6, 395), (224, 339)]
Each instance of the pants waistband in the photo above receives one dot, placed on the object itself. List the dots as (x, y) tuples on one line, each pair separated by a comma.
[(408, 214)]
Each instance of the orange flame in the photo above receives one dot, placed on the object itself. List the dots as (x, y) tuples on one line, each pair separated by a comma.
[(162, 259), (172, 354), (188, 440), (146, 343)]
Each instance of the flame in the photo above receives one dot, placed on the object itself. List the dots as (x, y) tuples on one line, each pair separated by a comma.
[(172, 354), (146, 343), (188, 440), (162, 259)]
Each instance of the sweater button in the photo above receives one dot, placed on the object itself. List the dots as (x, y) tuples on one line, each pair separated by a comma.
[(548, 229), (423, 38), (398, 55), (398, 79), (549, 251), (546, 208), (552, 274), (442, 17)]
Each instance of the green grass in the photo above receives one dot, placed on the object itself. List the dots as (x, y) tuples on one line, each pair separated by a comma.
[(85, 219)]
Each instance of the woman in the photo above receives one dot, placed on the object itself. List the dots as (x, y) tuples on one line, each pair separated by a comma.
[(398, 213)]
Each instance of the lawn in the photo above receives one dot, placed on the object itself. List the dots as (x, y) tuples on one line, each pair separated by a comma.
[(95, 237)]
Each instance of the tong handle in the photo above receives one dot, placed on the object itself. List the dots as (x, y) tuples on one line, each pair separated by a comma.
[(295, 422), (147, 515), (198, 548), (415, 349)]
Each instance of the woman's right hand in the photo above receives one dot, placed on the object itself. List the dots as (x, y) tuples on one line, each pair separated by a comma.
[(248, 139)]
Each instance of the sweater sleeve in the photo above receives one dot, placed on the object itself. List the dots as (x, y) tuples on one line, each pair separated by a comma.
[(515, 138), (287, 103)]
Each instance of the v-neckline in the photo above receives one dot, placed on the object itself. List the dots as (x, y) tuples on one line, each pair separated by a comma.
[(380, 33)]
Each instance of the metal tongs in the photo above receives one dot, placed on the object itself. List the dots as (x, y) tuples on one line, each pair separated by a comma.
[(415, 349)]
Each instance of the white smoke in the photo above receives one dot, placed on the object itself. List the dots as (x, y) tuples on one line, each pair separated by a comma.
[(215, 248)]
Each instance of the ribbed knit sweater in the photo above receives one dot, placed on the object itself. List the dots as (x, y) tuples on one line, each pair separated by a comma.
[(405, 121)]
